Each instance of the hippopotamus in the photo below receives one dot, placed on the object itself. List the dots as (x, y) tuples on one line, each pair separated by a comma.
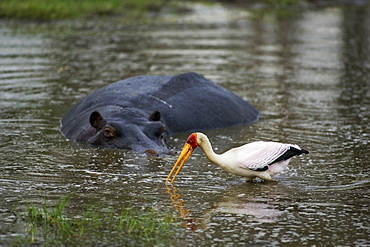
[(138, 113)]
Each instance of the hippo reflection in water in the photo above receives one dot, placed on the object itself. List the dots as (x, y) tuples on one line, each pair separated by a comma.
[(139, 112)]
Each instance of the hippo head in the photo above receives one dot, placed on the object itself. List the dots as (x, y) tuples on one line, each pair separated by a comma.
[(129, 129)]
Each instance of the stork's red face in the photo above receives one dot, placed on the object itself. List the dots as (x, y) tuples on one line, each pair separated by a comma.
[(187, 150), (192, 140)]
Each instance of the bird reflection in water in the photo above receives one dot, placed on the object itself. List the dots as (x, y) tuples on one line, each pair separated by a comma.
[(180, 207)]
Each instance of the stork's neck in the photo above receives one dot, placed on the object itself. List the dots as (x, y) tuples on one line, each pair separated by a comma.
[(206, 146)]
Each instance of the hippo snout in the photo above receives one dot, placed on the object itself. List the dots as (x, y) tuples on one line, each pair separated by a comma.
[(172, 152), (151, 152)]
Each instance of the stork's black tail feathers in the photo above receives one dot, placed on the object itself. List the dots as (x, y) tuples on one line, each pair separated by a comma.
[(292, 151)]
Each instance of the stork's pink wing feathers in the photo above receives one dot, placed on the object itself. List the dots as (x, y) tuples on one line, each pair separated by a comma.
[(259, 154)]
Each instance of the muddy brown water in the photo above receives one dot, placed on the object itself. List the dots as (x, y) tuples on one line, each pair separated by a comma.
[(307, 71)]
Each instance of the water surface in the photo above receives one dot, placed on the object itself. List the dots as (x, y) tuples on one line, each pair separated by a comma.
[(307, 71)]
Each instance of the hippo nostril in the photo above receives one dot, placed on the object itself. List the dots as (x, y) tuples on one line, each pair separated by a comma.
[(151, 152), (172, 152)]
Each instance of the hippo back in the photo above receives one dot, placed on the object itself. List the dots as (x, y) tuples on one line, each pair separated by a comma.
[(187, 102)]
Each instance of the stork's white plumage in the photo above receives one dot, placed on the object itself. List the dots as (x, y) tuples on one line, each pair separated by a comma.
[(256, 159)]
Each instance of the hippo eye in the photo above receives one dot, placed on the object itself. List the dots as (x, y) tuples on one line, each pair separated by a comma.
[(161, 132), (109, 132)]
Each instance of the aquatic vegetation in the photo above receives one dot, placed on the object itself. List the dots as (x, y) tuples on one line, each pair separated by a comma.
[(67, 9), (98, 225), (70, 9)]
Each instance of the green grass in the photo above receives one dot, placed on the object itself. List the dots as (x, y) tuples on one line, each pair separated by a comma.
[(98, 225), (69, 9)]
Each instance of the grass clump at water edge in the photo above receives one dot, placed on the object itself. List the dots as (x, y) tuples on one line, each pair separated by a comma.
[(98, 225), (67, 9)]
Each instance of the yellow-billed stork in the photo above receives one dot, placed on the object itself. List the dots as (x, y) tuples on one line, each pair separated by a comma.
[(257, 159)]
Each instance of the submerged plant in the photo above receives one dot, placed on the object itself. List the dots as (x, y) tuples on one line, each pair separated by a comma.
[(98, 225)]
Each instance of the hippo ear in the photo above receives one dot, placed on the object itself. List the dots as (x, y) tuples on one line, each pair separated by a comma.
[(155, 116), (96, 119)]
